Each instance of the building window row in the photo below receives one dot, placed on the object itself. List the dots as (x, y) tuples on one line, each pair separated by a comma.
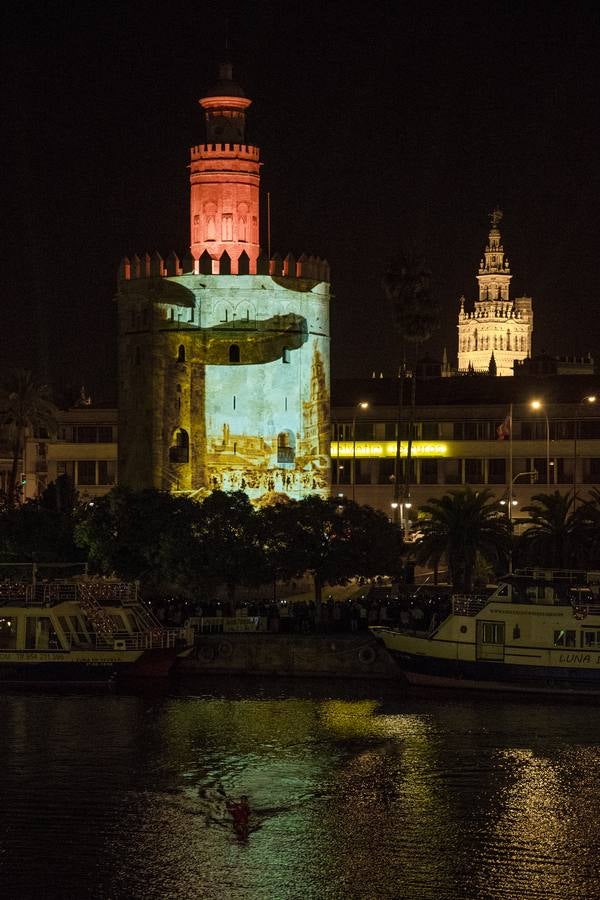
[(87, 434), (467, 471), (89, 472), (487, 430)]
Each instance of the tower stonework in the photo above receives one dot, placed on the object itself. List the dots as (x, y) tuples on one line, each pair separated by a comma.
[(224, 354), (497, 326), (225, 178)]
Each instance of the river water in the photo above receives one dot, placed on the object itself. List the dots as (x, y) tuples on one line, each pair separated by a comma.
[(357, 791)]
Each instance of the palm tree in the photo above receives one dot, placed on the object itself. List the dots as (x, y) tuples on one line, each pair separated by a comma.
[(415, 314), (586, 522), (553, 535), (462, 526), (25, 404)]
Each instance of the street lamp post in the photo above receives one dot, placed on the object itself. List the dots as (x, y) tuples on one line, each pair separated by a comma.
[(401, 505), (362, 405), (591, 398), (537, 406), (510, 502)]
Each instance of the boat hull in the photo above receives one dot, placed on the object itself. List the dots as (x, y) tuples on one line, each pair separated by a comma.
[(85, 668), (495, 676)]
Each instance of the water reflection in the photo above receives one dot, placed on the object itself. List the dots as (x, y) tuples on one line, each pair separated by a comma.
[(356, 792)]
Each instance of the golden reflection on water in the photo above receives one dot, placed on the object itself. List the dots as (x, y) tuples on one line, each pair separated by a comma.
[(351, 798)]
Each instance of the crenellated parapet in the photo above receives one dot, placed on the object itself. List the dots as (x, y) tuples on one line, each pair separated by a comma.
[(233, 151), (153, 265)]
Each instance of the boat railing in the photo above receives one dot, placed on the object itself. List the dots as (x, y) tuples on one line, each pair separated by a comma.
[(467, 605), (157, 639), (42, 593), (221, 624), (582, 610)]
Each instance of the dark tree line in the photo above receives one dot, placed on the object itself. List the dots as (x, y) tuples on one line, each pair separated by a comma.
[(175, 542)]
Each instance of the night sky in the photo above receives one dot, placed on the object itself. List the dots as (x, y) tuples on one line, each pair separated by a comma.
[(381, 126)]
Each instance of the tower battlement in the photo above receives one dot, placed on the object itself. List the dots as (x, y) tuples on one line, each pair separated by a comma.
[(236, 151), (312, 268)]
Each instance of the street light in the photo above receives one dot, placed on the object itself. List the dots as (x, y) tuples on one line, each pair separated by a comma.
[(591, 398), (401, 505), (360, 406), (512, 500), (537, 405)]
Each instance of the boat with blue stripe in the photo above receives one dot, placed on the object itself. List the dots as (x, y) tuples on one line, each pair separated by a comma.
[(538, 632)]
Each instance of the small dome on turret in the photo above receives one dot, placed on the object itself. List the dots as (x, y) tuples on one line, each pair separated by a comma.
[(225, 86)]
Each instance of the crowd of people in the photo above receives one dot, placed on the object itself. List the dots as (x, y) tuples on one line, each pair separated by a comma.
[(417, 610)]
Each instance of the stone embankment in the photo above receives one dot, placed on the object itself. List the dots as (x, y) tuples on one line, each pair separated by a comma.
[(332, 655)]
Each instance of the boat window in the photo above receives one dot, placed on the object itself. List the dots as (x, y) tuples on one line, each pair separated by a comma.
[(516, 633), (502, 591), (8, 633), (591, 638), (79, 634), (118, 623), (564, 638), (40, 634), (492, 633)]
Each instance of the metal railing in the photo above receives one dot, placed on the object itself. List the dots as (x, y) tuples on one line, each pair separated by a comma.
[(464, 605), (118, 593), (221, 624)]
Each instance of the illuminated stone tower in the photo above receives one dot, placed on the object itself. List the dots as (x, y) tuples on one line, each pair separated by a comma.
[(497, 325), (224, 176), (224, 354)]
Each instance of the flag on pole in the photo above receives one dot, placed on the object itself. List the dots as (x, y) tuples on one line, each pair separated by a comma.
[(503, 431)]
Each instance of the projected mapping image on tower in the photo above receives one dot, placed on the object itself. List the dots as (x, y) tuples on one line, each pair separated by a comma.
[(224, 352), (267, 424)]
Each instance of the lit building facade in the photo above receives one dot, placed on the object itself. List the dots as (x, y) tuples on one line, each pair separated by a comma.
[(224, 355), (497, 332), (556, 447), (84, 448)]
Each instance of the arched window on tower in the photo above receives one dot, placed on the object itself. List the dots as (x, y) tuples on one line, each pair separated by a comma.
[(286, 449), (181, 354), (179, 451), (242, 229), (234, 353), (211, 231)]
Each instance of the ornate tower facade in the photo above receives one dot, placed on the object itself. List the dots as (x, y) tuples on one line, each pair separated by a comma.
[(224, 176), (498, 330), (224, 354)]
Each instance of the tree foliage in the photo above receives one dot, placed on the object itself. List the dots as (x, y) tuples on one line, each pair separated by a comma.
[(460, 526), (407, 287), (25, 404), (555, 537)]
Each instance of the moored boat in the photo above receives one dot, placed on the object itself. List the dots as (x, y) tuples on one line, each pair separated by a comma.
[(86, 630), (539, 631)]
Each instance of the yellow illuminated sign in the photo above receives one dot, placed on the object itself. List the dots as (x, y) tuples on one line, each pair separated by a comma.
[(383, 449)]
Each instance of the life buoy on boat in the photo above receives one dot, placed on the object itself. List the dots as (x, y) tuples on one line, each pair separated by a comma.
[(207, 652), (367, 655), (225, 649)]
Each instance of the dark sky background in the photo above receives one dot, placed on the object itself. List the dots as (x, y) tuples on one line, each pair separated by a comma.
[(381, 125)]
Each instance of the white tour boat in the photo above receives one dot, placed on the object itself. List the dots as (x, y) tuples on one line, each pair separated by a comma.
[(538, 632), (82, 630)]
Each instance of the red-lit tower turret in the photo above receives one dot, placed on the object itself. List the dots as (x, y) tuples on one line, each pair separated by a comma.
[(224, 177)]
